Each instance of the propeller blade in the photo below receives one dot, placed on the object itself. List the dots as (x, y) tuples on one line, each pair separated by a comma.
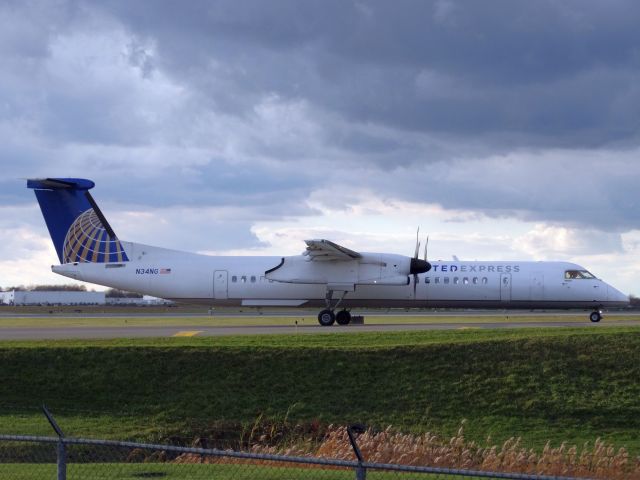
[(426, 244), (415, 255)]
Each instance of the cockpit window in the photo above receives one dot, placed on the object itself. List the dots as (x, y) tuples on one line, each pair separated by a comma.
[(578, 275)]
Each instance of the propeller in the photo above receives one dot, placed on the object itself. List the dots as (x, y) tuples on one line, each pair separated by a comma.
[(426, 244), (417, 265)]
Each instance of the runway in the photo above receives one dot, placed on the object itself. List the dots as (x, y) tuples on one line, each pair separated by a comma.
[(59, 333), (309, 313)]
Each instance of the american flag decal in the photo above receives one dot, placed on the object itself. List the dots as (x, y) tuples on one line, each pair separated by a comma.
[(165, 270)]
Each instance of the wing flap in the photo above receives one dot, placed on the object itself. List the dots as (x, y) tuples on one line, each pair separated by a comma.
[(325, 250)]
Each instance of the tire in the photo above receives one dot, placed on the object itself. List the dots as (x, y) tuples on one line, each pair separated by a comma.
[(343, 317), (595, 317), (326, 318)]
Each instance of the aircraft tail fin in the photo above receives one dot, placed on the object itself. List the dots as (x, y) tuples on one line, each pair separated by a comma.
[(79, 230)]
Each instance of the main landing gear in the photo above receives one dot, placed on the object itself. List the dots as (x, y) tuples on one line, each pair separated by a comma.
[(343, 317), (596, 316), (328, 317)]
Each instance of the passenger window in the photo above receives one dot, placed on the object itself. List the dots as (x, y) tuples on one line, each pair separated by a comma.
[(234, 279), (456, 280), (465, 280), (475, 280), (505, 280), (253, 279), (485, 280), (243, 279), (427, 280), (437, 280), (446, 280)]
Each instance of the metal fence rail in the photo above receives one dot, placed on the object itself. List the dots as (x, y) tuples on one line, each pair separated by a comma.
[(79, 458)]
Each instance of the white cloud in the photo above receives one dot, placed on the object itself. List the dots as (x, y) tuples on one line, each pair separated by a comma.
[(25, 253), (544, 242)]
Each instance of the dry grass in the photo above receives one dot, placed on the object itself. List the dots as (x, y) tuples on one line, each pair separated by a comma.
[(599, 460)]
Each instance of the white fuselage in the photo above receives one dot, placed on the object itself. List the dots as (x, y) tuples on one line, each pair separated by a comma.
[(241, 281)]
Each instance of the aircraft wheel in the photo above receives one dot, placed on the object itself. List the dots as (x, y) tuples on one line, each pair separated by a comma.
[(343, 317), (326, 318), (595, 317)]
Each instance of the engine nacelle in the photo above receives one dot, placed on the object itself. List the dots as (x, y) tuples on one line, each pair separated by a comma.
[(369, 269)]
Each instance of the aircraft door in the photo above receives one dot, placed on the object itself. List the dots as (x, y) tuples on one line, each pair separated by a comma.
[(220, 287), (505, 287), (536, 283)]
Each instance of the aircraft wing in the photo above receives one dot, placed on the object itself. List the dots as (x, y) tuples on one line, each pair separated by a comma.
[(322, 250)]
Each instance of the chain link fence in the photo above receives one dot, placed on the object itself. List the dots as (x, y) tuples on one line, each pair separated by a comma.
[(395, 458), (31, 457)]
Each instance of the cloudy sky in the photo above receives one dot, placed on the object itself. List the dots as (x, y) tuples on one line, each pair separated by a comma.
[(504, 129)]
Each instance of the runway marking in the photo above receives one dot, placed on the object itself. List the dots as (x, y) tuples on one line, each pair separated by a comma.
[(188, 333)]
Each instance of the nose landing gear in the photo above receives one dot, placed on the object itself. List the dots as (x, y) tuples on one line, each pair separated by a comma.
[(596, 316)]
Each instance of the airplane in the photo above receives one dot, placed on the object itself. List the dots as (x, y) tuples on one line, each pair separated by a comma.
[(326, 275)]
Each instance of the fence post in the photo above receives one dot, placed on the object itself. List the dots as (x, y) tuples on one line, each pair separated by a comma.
[(62, 449), (361, 471), (62, 460)]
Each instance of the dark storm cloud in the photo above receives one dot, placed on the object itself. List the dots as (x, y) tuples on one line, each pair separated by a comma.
[(563, 73), (566, 188), (257, 104)]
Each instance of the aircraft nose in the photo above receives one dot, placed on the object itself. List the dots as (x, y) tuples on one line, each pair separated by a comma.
[(615, 295)]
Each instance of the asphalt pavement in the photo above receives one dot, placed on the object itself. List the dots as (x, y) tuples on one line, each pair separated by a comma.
[(58, 333)]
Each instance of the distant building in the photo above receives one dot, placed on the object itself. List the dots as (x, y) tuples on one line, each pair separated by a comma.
[(6, 298), (43, 297), (149, 300), (146, 300)]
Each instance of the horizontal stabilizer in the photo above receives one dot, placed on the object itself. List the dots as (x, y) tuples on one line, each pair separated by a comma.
[(60, 183)]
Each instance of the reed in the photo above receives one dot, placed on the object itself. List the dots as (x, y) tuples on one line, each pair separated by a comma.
[(597, 460)]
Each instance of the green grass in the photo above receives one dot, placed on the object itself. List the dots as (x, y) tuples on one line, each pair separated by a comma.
[(167, 471), (327, 341), (555, 383), (123, 471)]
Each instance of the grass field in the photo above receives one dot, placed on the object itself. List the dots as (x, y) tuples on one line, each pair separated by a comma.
[(558, 384), (172, 472)]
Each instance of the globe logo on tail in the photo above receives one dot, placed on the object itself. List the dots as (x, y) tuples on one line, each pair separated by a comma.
[(88, 241)]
